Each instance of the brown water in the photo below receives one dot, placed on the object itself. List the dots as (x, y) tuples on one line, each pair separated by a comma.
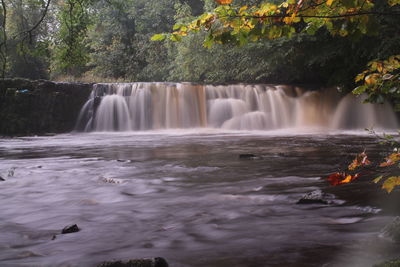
[(187, 197)]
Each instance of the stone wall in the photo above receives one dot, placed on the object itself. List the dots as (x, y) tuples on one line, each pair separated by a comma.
[(39, 107)]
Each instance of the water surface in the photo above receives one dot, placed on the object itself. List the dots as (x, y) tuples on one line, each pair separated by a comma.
[(187, 197)]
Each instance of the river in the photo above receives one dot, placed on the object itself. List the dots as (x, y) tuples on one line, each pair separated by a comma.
[(185, 195)]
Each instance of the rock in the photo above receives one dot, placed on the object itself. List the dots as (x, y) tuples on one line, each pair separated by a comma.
[(156, 262), (247, 156), (110, 180), (392, 230), (315, 197), (2, 179), (70, 229)]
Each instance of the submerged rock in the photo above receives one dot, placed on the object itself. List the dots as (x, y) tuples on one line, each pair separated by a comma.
[(70, 229), (156, 262), (2, 179), (315, 197), (247, 156), (392, 230)]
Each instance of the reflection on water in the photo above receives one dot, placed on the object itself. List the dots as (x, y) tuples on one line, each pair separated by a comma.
[(185, 197)]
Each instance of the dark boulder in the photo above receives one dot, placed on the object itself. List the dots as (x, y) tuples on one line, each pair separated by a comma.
[(2, 179), (70, 229), (156, 262)]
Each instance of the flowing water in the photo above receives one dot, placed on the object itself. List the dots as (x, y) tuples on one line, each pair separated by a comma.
[(145, 106), (186, 196)]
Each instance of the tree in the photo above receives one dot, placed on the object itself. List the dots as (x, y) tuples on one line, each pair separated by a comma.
[(23, 38), (71, 49), (353, 19)]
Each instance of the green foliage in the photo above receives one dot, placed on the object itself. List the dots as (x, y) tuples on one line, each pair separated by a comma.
[(381, 80), (27, 51), (70, 48), (110, 39)]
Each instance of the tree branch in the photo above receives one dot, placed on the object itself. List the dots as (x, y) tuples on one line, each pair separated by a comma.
[(339, 16)]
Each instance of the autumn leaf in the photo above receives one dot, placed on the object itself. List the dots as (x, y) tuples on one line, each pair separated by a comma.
[(223, 2), (377, 179), (329, 2), (390, 160), (360, 160), (372, 79), (390, 183), (341, 178)]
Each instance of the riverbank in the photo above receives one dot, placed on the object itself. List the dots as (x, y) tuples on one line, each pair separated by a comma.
[(38, 107)]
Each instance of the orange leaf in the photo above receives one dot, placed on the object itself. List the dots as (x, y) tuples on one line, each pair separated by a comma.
[(341, 178), (390, 160), (223, 2), (360, 160)]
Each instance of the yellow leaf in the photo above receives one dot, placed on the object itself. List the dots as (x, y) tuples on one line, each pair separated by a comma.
[(243, 8), (379, 67), (390, 183), (360, 77), (377, 179), (285, 4), (329, 2)]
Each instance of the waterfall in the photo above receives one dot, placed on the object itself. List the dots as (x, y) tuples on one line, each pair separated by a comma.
[(151, 106)]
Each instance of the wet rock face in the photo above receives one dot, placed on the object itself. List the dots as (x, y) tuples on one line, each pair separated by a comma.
[(38, 107)]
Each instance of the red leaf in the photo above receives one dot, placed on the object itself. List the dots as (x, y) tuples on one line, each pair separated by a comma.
[(341, 178)]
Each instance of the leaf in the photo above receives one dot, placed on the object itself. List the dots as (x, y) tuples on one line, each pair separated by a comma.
[(359, 90), (377, 179), (243, 8), (223, 2), (387, 77), (341, 178), (329, 2), (394, 2), (371, 79), (158, 37), (391, 160), (360, 160), (390, 183)]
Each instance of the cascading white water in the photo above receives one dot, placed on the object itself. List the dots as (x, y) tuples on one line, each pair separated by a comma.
[(145, 106)]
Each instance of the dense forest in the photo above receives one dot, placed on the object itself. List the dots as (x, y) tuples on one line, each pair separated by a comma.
[(109, 40)]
